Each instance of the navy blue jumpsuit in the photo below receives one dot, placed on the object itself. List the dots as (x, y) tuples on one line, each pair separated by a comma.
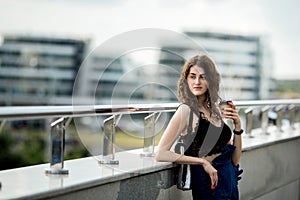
[(202, 145)]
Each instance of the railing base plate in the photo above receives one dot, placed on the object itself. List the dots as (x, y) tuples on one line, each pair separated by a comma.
[(109, 162), (56, 171), (147, 154)]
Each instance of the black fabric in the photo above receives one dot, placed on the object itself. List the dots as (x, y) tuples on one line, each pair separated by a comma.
[(218, 138), (228, 176), (182, 171)]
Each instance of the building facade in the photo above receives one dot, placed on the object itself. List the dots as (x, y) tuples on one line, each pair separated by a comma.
[(38, 70), (51, 70), (241, 60)]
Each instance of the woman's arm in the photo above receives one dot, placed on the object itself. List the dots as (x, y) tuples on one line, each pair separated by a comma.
[(237, 142), (232, 113), (176, 126)]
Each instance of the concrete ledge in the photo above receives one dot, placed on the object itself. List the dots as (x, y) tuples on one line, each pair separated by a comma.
[(270, 164), (32, 183), (270, 168)]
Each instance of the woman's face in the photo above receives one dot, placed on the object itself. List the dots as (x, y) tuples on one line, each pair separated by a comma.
[(196, 81)]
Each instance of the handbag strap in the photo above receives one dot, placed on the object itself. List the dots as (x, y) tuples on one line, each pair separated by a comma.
[(190, 127), (182, 138)]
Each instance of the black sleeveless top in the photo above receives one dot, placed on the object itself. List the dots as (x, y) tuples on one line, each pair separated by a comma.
[(209, 138)]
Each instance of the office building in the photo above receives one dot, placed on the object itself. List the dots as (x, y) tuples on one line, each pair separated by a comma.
[(38, 70), (243, 61)]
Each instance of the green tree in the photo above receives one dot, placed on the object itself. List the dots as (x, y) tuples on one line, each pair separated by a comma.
[(8, 159)]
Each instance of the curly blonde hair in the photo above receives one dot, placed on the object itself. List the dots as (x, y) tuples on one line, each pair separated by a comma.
[(213, 82)]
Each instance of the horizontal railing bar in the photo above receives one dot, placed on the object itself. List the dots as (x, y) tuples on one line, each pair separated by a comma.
[(31, 112), (273, 102)]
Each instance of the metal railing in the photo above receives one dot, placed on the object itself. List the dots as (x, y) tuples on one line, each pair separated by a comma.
[(288, 108)]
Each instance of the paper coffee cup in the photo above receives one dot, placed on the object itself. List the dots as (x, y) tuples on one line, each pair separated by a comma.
[(225, 104)]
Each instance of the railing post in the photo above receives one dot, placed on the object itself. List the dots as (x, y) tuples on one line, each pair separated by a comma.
[(292, 116), (57, 136), (265, 120), (149, 135), (109, 141), (279, 111), (2, 123), (249, 121), (297, 114)]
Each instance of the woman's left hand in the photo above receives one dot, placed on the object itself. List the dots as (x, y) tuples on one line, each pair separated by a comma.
[(232, 113)]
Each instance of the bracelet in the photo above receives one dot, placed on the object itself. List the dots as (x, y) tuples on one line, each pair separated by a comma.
[(238, 132)]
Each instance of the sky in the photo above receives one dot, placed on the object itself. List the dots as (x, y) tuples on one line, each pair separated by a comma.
[(277, 22)]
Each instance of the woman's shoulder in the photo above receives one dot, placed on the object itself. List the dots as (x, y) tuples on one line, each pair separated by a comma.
[(183, 108)]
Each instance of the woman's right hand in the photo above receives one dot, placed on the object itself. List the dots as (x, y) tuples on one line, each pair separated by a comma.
[(212, 172)]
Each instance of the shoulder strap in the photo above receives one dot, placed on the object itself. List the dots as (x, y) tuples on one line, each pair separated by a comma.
[(210, 140), (184, 141), (190, 126), (179, 105)]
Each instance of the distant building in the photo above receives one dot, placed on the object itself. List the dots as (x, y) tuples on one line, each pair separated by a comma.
[(243, 61), (101, 80), (57, 70), (106, 78), (38, 70)]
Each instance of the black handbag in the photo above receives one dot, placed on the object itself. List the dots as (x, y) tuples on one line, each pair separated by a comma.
[(183, 171)]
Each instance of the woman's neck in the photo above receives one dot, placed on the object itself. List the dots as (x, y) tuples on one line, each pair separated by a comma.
[(201, 101), (203, 107)]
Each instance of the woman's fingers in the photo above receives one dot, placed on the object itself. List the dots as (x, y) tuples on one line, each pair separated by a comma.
[(214, 180), (232, 105), (213, 174), (230, 113)]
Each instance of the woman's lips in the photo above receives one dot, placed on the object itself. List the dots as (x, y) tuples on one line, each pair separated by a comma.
[(197, 88)]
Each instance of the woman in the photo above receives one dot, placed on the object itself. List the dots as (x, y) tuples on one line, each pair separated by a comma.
[(212, 154)]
